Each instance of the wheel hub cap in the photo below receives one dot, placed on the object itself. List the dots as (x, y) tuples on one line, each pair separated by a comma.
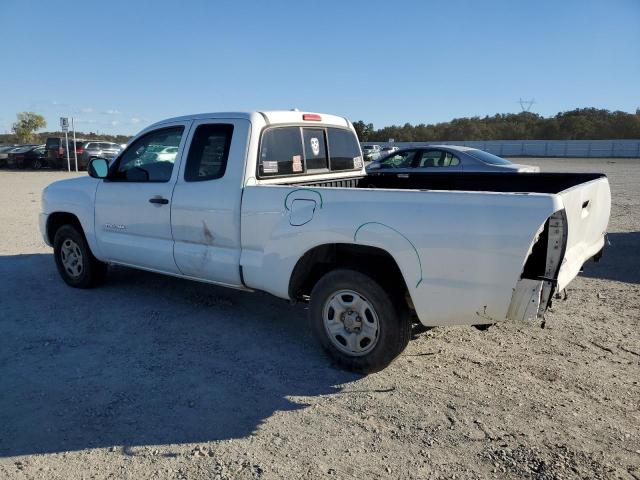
[(71, 257), (351, 322)]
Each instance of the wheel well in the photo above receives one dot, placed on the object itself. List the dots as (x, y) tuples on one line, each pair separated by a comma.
[(375, 262), (57, 220)]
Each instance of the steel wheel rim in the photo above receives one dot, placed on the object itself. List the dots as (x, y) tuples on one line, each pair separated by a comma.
[(71, 257), (351, 323)]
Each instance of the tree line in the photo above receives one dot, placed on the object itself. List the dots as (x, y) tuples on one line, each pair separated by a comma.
[(578, 124)]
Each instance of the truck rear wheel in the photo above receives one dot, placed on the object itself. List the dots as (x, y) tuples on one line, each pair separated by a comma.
[(357, 322), (76, 264)]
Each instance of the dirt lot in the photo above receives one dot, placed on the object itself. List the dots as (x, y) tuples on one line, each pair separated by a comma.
[(156, 377)]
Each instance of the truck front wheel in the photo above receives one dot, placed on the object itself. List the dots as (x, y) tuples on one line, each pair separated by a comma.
[(76, 264), (357, 322)]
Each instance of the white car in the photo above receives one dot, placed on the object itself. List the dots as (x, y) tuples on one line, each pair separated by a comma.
[(388, 150), (371, 152), (279, 201)]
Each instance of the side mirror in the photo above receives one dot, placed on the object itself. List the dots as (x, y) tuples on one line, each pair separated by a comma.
[(98, 168)]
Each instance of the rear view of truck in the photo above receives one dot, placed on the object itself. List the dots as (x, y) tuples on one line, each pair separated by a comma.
[(571, 236)]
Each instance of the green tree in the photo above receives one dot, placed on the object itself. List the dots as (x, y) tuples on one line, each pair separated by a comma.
[(27, 124), (363, 130)]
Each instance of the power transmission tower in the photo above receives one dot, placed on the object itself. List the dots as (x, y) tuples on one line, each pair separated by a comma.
[(526, 105)]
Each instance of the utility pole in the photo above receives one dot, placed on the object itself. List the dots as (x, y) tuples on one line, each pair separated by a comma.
[(526, 105), (75, 145)]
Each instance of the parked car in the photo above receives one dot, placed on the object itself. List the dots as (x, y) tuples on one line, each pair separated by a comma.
[(4, 153), (384, 151), (272, 201), (371, 152), (159, 153), (27, 156), (55, 152), (90, 149), (446, 159)]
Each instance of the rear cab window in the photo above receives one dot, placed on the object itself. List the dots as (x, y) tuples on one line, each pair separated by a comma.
[(297, 150), (209, 152), (53, 143)]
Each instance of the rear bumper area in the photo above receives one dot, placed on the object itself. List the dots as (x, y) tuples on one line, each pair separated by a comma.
[(549, 268)]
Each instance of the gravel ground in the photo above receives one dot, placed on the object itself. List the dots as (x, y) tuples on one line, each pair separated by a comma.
[(156, 377)]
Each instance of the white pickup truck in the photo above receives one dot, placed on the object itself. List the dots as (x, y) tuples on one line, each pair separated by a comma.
[(279, 201)]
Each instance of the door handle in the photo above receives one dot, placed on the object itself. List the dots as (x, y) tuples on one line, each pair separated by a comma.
[(403, 175), (159, 200)]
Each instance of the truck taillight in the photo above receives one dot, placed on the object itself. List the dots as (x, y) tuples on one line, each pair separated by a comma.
[(311, 117), (60, 150), (79, 150)]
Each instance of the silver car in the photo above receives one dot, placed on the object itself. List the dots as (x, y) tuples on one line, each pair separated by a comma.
[(91, 149), (446, 159)]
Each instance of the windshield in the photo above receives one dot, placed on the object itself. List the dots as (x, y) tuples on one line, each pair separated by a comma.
[(487, 157)]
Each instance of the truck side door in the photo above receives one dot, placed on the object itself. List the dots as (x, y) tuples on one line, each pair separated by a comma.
[(133, 204), (205, 211)]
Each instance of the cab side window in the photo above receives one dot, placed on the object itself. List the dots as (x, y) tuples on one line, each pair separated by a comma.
[(150, 158), (209, 152)]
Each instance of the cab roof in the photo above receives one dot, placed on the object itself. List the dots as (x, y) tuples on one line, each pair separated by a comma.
[(270, 117)]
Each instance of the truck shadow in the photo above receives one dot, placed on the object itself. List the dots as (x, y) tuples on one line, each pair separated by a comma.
[(620, 261), (145, 360)]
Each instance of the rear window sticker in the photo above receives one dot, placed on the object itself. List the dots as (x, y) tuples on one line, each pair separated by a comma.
[(270, 166), (315, 146), (297, 163)]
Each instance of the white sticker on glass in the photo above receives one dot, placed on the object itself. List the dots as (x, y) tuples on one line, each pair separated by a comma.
[(297, 163), (357, 162), (270, 166), (315, 146)]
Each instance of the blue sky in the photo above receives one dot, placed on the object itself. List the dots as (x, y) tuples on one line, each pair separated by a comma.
[(117, 66)]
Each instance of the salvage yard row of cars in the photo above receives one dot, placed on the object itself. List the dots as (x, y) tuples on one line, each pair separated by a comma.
[(53, 154)]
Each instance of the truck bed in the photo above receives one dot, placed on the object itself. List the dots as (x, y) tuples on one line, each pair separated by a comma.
[(552, 183), (566, 212)]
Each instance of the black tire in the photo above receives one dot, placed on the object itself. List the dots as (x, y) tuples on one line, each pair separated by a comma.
[(394, 323), (37, 163), (91, 272), (484, 327)]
